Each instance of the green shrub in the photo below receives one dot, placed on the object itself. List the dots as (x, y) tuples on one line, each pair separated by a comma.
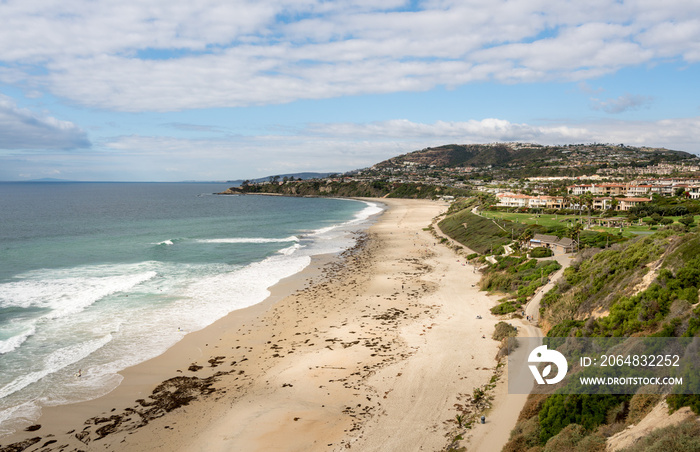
[(574, 438), (677, 438), (504, 308), (678, 401), (564, 329), (640, 406), (541, 251), (587, 410), (687, 221), (504, 330), (518, 276), (525, 435)]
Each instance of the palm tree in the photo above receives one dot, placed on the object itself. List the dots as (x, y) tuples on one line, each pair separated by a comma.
[(614, 203), (566, 200), (526, 236), (587, 199), (574, 232)]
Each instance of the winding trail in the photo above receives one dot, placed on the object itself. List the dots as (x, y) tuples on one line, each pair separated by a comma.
[(503, 416)]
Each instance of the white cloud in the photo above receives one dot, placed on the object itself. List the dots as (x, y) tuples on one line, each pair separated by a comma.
[(674, 38), (621, 104), (22, 129), (336, 147), (325, 147), (588, 89), (474, 131), (84, 28), (680, 134), (165, 55)]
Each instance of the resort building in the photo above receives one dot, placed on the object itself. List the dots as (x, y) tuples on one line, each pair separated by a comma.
[(513, 200), (556, 244), (554, 202), (638, 190), (694, 191), (517, 200), (622, 203), (602, 203), (610, 189), (628, 203)]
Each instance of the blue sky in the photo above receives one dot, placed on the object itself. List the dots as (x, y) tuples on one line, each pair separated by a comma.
[(169, 90)]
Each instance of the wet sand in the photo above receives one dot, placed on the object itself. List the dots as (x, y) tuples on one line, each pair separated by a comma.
[(370, 350)]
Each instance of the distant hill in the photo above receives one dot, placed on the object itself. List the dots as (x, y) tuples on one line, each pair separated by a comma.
[(49, 179), (302, 176), (524, 155)]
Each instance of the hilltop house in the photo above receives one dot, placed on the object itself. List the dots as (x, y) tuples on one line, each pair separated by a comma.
[(609, 189), (518, 200), (623, 203), (558, 245), (530, 202), (628, 203)]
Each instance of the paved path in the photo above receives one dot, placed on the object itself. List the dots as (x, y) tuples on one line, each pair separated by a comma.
[(503, 415), (532, 308)]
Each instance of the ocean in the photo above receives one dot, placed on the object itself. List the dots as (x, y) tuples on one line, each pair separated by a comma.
[(97, 277)]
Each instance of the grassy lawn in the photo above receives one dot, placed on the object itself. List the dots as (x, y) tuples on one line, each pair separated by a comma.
[(549, 220), (529, 218), (477, 233)]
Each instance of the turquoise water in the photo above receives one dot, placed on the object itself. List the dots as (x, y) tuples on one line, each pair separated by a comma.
[(98, 277)]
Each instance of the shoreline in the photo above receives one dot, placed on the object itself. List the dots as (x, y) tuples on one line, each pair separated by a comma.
[(371, 351), (139, 380)]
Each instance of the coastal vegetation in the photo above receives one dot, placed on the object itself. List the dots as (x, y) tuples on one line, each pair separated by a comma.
[(374, 189), (541, 251), (644, 281), (647, 286), (503, 331), (478, 233), (487, 230), (516, 277), (595, 233)]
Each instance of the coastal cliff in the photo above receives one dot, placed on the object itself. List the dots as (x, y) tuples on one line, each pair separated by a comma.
[(377, 189)]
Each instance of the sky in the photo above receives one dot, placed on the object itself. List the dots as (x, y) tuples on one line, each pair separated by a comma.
[(172, 90)]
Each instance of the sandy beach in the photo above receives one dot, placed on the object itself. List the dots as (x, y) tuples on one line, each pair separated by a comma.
[(371, 350)]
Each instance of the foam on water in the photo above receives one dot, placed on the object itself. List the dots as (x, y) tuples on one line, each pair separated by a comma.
[(242, 288), (104, 318), (371, 209), (54, 362), (361, 216), (290, 250), (17, 336), (13, 417), (250, 240), (66, 295)]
